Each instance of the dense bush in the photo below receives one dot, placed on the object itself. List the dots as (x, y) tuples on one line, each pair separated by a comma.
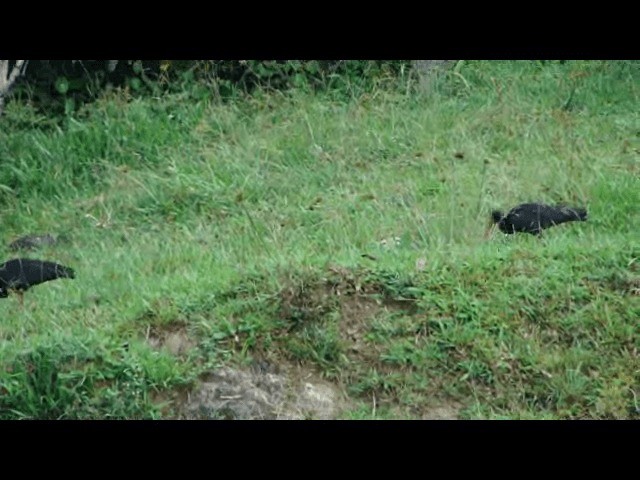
[(61, 86)]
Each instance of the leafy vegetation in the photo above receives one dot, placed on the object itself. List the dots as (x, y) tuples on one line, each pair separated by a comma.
[(61, 88)]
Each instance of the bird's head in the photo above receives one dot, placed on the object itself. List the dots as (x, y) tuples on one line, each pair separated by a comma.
[(496, 216), (65, 272)]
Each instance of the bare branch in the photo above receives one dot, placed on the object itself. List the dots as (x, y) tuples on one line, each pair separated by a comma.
[(8, 79)]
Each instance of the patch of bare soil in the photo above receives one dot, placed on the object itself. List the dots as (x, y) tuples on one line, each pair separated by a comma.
[(261, 394), (357, 312), (358, 301), (433, 408), (443, 411), (633, 286), (625, 284), (175, 340)]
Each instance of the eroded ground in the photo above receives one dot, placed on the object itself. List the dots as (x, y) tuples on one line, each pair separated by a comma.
[(277, 385)]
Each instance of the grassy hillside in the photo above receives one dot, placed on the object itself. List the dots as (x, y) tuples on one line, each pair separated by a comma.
[(242, 227)]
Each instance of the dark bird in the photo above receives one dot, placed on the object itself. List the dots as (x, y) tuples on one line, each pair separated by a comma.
[(20, 274), (534, 217)]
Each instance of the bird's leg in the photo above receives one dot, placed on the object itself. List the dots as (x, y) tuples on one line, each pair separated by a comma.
[(20, 294)]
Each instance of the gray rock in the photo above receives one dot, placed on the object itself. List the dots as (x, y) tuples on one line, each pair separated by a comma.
[(230, 393)]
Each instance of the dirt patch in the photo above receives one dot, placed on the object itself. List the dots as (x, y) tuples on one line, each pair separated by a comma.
[(357, 313), (356, 296), (633, 286), (311, 299), (260, 394), (625, 284), (432, 408), (345, 303), (170, 400), (174, 339), (303, 303), (444, 411)]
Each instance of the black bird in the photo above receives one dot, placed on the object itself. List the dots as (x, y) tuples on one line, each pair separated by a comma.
[(20, 274), (534, 217)]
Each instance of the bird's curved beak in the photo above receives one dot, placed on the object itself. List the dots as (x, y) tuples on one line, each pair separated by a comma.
[(490, 228)]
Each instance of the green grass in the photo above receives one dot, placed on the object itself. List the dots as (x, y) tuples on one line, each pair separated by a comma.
[(237, 224)]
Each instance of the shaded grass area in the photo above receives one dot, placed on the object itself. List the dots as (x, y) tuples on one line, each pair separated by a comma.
[(242, 226)]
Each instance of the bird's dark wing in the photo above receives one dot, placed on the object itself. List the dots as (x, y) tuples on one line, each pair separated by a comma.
[(38, 271)]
